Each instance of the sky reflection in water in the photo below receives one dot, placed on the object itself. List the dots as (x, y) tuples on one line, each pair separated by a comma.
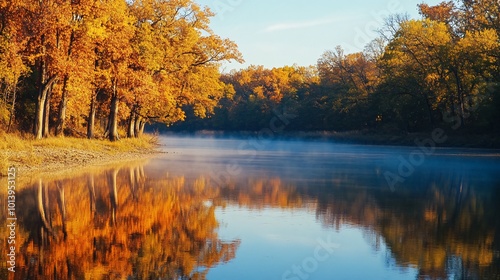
[(227, 209)]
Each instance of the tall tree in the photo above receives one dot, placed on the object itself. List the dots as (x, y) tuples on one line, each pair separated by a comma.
[(113, 51), (75, 64), (43, 25), (12, 65), (176, 56)]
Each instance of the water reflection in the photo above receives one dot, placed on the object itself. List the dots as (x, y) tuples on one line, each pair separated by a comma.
[(158, 220), (444, 232), (117, 224)]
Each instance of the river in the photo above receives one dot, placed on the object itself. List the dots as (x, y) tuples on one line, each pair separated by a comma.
[(250, 208)]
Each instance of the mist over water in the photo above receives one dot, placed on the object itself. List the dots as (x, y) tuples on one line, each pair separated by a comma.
[(345, 195), (242, 208), (323, 160)]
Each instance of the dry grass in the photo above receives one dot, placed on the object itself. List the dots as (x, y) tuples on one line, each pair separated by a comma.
[(4, 164), (124, 145), (59, 152)]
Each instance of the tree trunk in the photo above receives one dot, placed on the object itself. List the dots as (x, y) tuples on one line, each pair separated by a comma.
[(38, 131), (131, 125), (61, 120), (460, 96), (429, 111), (141, 128), (46, 113), (44, 88), (91, 118), (137, 125), (113, 115), (13, 108), (42, 95)]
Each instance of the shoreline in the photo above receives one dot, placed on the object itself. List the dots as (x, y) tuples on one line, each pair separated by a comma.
[(71, 160), (488, 142), (63, 155)]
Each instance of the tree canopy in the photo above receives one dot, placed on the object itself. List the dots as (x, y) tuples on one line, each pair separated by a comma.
[(111, 62), (105, 68), (441, 70)]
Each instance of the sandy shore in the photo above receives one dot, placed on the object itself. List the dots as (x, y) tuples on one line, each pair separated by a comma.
[(53, 160), (60, 159)]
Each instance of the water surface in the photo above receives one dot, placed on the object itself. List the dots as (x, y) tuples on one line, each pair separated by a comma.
[(241, 208)]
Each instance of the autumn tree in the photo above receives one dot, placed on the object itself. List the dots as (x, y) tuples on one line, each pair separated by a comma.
[(75, 63), (416, 50), (12, 66), (449, 74), (40, 23), (133, 61), (178, 54), (256, 93), (348, 80), (445, 12)]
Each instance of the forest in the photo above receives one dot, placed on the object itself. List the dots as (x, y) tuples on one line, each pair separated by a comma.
[(104, 68), (107, 68), (441, 70)]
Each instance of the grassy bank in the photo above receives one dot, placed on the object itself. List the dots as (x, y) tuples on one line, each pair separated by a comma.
[(57, 153)]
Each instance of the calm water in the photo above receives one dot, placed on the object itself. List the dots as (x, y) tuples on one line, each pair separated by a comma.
[(213, 208)]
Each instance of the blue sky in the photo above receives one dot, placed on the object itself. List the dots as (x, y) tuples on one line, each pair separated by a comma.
[(275, 33)]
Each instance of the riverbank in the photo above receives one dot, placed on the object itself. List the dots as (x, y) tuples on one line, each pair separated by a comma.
[(450, 139), (58, 154)]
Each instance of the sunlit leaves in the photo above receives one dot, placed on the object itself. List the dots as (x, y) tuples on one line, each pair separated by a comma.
[(152, 56)]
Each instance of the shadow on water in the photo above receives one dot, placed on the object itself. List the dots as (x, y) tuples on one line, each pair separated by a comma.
[(157, 220)]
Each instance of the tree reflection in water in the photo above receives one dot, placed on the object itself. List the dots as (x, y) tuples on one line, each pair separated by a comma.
[(115, 225), (126, 223), (447, 228)]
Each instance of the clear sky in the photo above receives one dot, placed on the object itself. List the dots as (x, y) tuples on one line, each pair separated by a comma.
[(276, 33)]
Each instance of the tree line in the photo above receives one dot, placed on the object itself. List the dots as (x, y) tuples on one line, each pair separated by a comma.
[(441, 70), (94, 68), (89, 67)]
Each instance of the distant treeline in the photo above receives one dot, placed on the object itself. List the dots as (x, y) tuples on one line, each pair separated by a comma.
[(442, 70), (105, 68)]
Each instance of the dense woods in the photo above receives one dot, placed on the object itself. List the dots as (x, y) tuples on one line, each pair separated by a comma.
[(85, 67), (441, 70), (106, 68)]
